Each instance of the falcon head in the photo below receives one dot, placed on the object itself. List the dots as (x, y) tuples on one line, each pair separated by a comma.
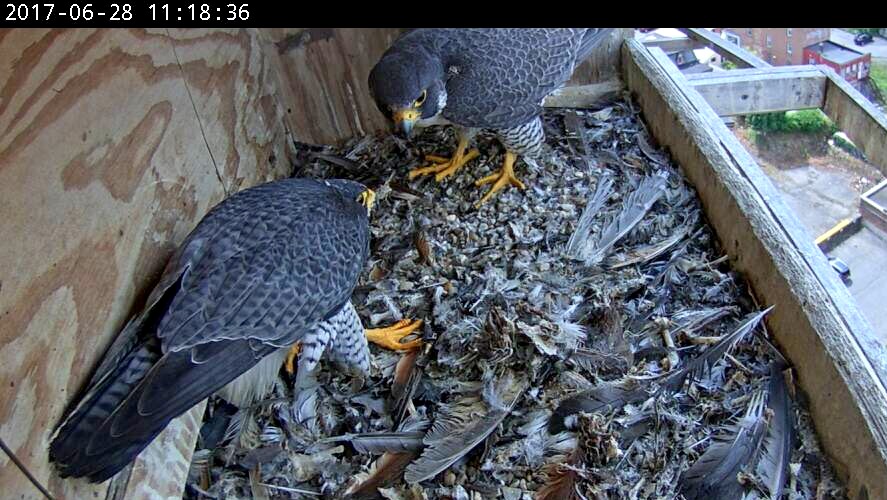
[(409, 87)]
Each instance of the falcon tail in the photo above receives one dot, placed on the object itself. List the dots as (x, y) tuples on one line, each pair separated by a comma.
[(593, 37), (87, 426), (138, 389), (134, 401)]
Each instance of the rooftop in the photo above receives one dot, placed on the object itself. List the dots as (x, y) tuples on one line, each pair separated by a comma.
[(835, 53)]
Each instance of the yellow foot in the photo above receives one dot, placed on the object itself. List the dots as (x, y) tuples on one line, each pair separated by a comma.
[(389, 338), (500, 179), (291, 358), (443, 167)]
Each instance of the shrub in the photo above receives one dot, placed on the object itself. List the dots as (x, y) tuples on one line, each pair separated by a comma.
[(811, 121)]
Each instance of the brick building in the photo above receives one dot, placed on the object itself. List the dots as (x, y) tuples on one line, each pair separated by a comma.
[(851, 64), (778, 46)]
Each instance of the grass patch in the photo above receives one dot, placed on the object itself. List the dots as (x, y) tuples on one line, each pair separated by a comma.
[(870, 31), (878, 74)]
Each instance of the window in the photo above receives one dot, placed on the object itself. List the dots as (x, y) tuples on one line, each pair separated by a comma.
[(812, 60), (769, 41), (788, 49), (788, 32), (732, 39), (748, 31)]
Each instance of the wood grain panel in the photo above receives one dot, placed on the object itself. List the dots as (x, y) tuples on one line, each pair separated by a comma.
[(324, 80), (113, 144)]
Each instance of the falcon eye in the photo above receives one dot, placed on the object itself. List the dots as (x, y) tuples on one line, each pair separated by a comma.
[(421, 100)]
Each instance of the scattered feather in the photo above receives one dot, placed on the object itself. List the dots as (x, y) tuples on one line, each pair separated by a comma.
[(772, 467), (460, 427), (577, 246), (383, 472), (636, 205), (560, 479), (716, 474)]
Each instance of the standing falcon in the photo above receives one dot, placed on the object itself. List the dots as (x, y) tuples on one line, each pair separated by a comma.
[(267, 269), (481, 78)]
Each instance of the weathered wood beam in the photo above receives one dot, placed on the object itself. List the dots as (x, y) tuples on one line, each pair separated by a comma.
[(674, 44), (750, 91), (817, 324), (730, 93), (727, 49), (857, 117)]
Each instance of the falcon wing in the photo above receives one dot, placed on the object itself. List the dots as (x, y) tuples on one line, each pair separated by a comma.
[(502, 75), (255, 275)]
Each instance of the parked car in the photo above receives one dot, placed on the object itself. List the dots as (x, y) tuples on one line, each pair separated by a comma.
[(840, 267), (862, 39)]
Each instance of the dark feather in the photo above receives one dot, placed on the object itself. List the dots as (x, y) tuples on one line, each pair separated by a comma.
[(600, 399), (135, 405), (461, 426), (773, 464), (377, 443), (715, 474)]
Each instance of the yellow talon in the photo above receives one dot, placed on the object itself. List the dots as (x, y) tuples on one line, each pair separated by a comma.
[(390, 337), (445, 167), (291, 356), (367, 198), (501, 179)]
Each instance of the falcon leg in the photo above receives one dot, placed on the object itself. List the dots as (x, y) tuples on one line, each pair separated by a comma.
[(390, 337), (443, 167), (291, 358), (500, 179)]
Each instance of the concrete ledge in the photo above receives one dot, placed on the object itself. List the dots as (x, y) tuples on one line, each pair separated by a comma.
[(839, 233)]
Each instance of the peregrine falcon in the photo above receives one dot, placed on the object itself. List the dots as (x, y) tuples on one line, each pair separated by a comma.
[(270, 268), (480, 78)]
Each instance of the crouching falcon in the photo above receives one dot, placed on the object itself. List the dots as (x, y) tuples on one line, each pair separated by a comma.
[(270, 268), (482, 78)]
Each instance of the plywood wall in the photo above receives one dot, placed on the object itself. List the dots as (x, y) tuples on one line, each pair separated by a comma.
[(113, 144), (324, 75)]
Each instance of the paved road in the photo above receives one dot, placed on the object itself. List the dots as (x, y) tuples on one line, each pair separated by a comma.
[(820, 197), (866, 254), (878, 48)]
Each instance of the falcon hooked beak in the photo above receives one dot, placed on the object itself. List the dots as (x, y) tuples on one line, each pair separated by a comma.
[(406, 118), (367, 198)]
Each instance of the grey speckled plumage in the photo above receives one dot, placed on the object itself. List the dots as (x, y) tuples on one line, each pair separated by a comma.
[(494, 78), (268, 267)]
